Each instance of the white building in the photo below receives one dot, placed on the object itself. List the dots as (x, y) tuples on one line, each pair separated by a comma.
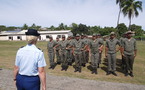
[(20, 35)]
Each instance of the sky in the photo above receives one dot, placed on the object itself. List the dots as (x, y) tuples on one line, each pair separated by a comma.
[(53, 12)]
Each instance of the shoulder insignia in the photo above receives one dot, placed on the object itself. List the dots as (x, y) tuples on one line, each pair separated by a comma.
[(40, 49), (21, 46)]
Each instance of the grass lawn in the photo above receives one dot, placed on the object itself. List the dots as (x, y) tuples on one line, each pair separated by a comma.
[(8, 51)]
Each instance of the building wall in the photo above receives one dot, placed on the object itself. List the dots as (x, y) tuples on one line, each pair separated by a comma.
[(3, 37), (44, 36)]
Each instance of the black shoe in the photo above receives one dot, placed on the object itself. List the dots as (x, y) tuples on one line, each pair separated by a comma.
[(76, 69), (50, 67), (92, 71), (96, 72), (131, 74), (126, 74), (79, 70), (114, 73), (108, 73), (84, 65)]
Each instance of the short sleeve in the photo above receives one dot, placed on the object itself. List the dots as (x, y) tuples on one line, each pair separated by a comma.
[(41, 61), (17, 61)]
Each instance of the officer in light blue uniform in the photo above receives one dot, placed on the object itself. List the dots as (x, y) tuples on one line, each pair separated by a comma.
[(29, 65)]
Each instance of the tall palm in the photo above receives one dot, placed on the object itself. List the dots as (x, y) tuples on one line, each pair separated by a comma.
[(131, 8), (121, 5)]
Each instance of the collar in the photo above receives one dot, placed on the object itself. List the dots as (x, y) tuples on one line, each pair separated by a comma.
[(31, 45)]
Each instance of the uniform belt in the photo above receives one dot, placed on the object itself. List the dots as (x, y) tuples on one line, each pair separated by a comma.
[(28, 76)]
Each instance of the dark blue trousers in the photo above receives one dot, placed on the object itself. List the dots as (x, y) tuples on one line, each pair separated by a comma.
[(27, 82)]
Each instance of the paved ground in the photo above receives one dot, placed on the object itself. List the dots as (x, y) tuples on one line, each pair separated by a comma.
[(67, 83)]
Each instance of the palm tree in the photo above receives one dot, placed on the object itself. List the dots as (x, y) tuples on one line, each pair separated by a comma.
[(121, 5), (131, 8)]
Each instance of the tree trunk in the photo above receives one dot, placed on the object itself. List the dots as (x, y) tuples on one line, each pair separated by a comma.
[(117, 33), (118, 16), (129, 24)]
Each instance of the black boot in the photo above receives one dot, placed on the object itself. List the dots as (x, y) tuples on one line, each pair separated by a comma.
[(92, 71), (108, 73), (131, 74), (65, 68), (95, 71), (50, 67), (76, 69), (114, 73), (62, 68), (80, 70)]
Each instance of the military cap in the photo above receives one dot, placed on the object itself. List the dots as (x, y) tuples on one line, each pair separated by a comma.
[(112, 33), (94, 35), (77, 35), (82, 34), (129, 32), (32, 32), (98, 34)]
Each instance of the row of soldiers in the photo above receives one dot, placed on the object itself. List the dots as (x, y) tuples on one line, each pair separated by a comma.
[(78, 49)]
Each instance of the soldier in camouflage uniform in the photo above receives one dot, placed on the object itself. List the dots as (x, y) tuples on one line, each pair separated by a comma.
[(96, 46), (63, 49), (83, 51), (100, 52), (77, 46), (129, 51), (110, 53), (87, 41), (50, 46), (58, 51), (70, 50)]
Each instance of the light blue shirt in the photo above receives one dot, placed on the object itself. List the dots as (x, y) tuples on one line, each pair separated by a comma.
[(28, 59)]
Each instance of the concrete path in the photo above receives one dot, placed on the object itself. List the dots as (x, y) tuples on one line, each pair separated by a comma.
[(67, 83)]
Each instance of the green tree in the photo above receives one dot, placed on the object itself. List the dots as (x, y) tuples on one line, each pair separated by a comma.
[(107, 30), (137, 29), (3, 28), (122, 28), (61, 26), (131, 8), (52, 28), (25, 27)]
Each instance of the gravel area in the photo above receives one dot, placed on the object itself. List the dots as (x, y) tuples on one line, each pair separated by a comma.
[(68, 83)]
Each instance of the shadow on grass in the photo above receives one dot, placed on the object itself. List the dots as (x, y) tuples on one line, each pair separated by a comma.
[(118, 65)]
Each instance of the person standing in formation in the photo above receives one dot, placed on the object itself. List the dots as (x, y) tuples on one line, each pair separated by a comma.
[(58, 51), (77, 46), (129, 52), (110, 53), (96, 46), (51, 54)]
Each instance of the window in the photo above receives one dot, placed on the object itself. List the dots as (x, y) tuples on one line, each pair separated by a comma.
[(47, 36), (59, 36), (18, 37)]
